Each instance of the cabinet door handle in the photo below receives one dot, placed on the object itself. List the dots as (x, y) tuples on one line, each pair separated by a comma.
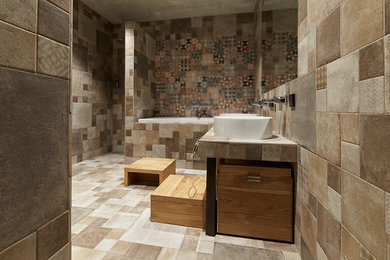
[(254, 178)]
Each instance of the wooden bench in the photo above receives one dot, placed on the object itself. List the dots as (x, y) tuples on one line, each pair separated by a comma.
[(180, 200), (149, 171)]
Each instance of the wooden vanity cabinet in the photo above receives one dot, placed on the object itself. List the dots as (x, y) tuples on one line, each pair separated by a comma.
[(255, 201)]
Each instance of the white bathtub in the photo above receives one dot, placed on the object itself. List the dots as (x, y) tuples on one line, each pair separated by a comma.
[(177, 120)]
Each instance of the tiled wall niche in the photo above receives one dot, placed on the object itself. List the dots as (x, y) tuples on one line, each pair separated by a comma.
[(98, 61), (203, 62), (35, 42), (341, 122)]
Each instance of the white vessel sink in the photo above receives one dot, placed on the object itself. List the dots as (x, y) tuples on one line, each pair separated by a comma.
[(243, 126)]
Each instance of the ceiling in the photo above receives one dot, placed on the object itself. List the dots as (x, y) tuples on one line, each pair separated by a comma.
[(119, 11)]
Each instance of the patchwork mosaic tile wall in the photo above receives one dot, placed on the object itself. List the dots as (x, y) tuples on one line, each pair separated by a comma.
[(34, 130), (92, 77), (118, 94), (279, 47), (139, 81), (341, 122), (203, 62), (167, 141)]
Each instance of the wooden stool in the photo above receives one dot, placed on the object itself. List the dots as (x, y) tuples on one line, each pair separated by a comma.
[(151, 171), (180, 200)]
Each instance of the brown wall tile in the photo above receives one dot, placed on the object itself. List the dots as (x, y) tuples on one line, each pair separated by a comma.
[(334, 177), (25, 249), (328, 39), (17, 48), (53, 58), (349, 245), (38, 172), (369, 219), (64, 4), (22, 13), (53, 236), (374, 150), (387, 16), (53, 22), (371, 61), (360, 28)]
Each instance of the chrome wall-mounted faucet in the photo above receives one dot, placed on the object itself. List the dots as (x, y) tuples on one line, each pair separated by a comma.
[(276, 100)]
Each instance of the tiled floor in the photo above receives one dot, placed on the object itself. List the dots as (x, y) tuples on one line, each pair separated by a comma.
[(110, 221)]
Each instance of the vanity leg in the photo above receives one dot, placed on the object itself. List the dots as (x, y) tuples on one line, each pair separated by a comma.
[(211, 199)]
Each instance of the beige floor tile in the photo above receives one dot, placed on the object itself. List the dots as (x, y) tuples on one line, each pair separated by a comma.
[(106, 244), (90, 237), (82, 253)]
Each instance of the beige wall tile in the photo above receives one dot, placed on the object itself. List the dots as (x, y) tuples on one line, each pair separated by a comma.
[(22, 13), (309, 230), (328, 137), (387, 212), (303, 117), (317, 177), (366, 223), (334, 203), (53, 58), (332, 4), (17, 48), (359, 27), (24, 249), (350, 158), (387, 65), (371, 95), (311, 51), (328, 39), (329, 233), (320, 253), (321, 100), (374, 150), (349, 128), (350, 247), (303, 61), (316, 12), (342, 82), (302, 10)]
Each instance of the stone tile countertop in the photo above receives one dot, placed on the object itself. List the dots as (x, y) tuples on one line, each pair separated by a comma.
[(277, 148)]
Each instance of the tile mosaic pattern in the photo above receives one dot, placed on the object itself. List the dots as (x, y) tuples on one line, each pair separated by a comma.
[(110, 221), (174, 141), (98, 125), (279, 48), (203, 62), (349, 151)]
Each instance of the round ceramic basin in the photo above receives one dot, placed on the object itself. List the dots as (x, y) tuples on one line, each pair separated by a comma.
[(243, 126)]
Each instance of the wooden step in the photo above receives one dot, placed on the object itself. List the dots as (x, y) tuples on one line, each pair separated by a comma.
[(180, 200)]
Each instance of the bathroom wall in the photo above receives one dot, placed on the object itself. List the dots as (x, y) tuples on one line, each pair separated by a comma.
[(203, 61), (97, 106), (341, 122), (139, 81), (34, 130), (279, 47), (118, 95)]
